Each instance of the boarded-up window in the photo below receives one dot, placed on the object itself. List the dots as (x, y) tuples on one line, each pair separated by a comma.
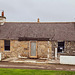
[(7, 45)]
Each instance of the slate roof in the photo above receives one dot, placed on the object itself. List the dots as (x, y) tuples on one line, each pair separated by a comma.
[(52, 30)]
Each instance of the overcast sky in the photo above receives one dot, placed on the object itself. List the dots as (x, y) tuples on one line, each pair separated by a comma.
[(46, 10)]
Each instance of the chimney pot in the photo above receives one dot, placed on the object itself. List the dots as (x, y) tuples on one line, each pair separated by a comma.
[(2, 13), (38, 20)]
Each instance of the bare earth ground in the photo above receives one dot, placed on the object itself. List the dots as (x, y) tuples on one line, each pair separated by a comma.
[(37, 66)]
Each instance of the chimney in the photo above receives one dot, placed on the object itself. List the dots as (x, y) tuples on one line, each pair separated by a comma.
[(2, 18), (38, 20)]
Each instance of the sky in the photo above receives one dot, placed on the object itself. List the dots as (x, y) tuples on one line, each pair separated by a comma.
[(45, 10)]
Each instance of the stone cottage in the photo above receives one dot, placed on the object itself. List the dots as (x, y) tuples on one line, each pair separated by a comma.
[(42, 40)]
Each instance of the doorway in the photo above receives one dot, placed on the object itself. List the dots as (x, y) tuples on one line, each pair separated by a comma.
[(60, 46), (33, 49)]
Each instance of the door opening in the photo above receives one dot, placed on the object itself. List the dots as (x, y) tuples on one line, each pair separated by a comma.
[(60, 46), (33, 49)]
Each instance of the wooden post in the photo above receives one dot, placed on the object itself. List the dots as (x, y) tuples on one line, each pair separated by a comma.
[(48, 51), (55, 53), (48, 54), (0, 56)]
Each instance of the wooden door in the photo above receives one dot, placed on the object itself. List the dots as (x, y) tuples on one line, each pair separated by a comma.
[(33, 49)]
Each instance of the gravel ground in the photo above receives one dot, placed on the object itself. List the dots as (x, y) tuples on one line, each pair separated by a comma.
[(37, 66)]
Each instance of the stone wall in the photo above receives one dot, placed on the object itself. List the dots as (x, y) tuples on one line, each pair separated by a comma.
[(22, 48), (70, 48), (43, 47), (19, 48), (16, 48), (2, 47)]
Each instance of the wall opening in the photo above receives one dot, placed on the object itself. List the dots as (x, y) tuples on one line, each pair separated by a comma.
[(7, 45), (60, 46)]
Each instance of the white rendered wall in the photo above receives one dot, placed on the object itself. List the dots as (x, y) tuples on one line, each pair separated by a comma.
[(67, 60), (2, 21)]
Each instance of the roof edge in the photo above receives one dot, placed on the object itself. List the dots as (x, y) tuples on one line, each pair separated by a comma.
[(40, 22)]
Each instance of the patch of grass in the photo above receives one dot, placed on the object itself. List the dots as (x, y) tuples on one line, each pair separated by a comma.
[(5, 71)]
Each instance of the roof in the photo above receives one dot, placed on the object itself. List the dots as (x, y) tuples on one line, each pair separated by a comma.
[(52, 30)]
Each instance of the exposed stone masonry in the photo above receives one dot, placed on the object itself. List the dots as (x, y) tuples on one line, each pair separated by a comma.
[(45, 49), (22, 48), (70, 48)]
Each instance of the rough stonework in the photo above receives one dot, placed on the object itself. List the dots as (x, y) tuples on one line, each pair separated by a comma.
[(1, 45), (70, 48), (2, 48), (43, 47), (21, 48), (16, 48)]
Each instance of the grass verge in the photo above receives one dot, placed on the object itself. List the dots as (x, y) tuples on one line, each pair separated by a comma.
[(5, 71)]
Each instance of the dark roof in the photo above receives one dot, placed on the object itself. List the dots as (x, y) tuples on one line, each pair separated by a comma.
[(52, 30)]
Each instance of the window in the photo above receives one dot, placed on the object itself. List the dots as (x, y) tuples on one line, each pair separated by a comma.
[(60, 46), (7, 45)]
